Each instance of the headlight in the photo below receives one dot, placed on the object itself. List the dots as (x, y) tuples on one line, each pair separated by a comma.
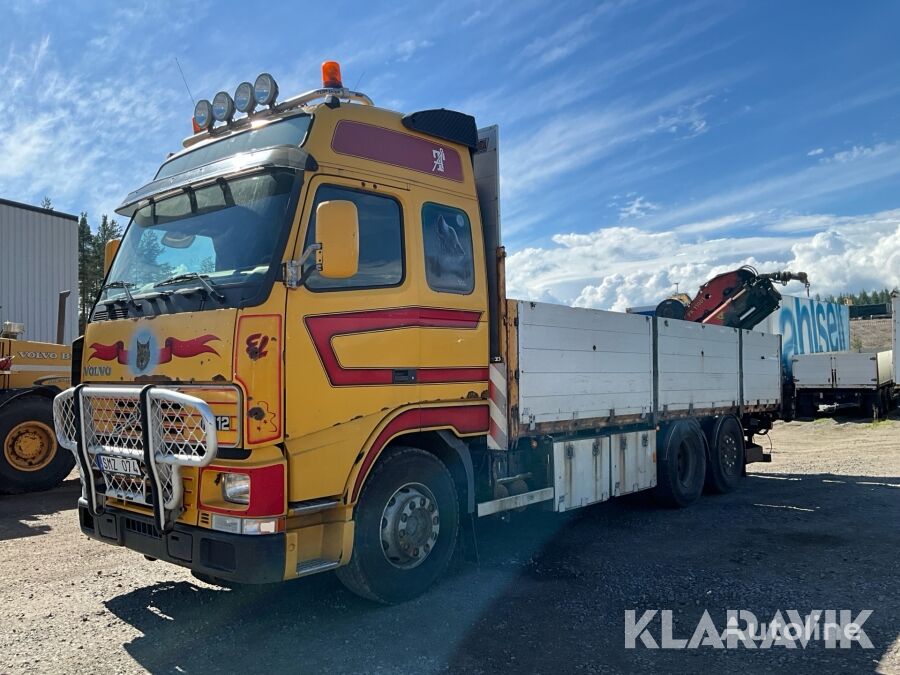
[(236, 488), (265, 89), (203, 114), (223, 107), (243, 98)]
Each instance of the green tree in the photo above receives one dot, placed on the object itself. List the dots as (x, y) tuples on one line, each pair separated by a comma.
[(46, 203), (86, 271), (91, 254)]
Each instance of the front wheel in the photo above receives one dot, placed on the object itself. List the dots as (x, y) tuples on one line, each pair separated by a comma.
[(30, 457), (407, 521)]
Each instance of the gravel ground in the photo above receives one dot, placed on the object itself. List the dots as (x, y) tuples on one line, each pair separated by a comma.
[(815, 529)]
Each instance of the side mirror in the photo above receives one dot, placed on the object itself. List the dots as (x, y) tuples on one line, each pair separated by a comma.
[(112, 247), (337, 235)]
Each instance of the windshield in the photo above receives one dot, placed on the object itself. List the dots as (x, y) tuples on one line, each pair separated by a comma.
[(289, 131), (228, 231)]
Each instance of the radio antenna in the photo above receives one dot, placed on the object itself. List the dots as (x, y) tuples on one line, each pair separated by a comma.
[(184, 79)]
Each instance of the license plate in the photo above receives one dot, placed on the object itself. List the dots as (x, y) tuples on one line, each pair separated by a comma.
[(124, 465)]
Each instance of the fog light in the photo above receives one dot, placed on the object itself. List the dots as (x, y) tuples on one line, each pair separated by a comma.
[(252, 526), (226, 524), (262, 525), (235, 487)]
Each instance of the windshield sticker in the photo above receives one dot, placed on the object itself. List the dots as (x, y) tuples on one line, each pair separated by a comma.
[(145, 352)]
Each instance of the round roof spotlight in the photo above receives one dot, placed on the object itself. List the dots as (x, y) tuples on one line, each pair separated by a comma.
[(203, 117), (223, 107), (243, 98), (265, 89)]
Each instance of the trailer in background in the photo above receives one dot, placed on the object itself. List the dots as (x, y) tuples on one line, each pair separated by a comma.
[(831, 381), (895, 353)]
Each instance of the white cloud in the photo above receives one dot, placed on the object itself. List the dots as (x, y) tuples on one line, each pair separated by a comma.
[(857, 152), (815, 152), (686, 121), (407, 49), (636, 208), (619, 267), (473, 17)]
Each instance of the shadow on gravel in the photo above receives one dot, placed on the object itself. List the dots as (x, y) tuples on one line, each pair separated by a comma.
[(550, 592), (19, 513)]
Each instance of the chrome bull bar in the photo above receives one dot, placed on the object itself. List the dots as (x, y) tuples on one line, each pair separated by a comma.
[(130, 443)]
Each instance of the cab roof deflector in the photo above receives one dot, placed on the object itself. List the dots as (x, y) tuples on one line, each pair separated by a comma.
[(448, 125)]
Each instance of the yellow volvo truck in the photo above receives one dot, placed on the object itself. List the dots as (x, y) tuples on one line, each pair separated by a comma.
[(31, 374), (303, 358)]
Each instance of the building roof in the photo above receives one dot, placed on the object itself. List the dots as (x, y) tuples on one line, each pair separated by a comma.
[(38, 209)]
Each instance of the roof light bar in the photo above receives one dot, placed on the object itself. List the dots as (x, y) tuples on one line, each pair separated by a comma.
[(203, 117), (243, 98), (265, 89), (223, 107)]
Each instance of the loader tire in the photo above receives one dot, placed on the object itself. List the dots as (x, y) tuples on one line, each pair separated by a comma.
[(407, 521), (681, 471), (725, 463), (30, 457)]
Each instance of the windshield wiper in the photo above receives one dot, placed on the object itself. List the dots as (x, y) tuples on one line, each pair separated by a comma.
[(193, 276), (125, 286)]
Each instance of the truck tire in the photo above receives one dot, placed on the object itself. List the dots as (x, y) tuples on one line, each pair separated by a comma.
[(725, 464), (682, 470), (407, 520), (30, 458)]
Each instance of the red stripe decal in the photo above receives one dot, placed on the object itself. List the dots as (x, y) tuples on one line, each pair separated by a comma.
[(468, 419), (325, 327), (396, 148)]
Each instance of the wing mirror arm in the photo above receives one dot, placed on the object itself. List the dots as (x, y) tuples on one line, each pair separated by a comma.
[(293, 269)]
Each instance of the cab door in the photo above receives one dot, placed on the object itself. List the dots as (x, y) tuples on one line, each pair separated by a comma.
[(353, 346)]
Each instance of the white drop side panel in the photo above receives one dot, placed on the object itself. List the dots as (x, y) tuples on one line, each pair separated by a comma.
[(895, 355), (698, 366), (583, 363), (761, 357), (885, 373), (856, 370), (814, 371)]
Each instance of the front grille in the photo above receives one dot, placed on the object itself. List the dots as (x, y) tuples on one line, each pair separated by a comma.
[(112, 427), (142, 528), (111, 311)]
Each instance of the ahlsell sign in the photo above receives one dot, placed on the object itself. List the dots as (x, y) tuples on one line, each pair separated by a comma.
[(808, 326)]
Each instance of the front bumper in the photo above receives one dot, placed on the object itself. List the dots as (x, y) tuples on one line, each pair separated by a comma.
[(258, 559)]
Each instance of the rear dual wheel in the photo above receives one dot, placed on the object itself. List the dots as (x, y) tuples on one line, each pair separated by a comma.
[(682, 468), (726, 455)]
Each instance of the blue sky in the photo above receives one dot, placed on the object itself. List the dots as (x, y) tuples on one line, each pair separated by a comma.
[(643, 143)]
